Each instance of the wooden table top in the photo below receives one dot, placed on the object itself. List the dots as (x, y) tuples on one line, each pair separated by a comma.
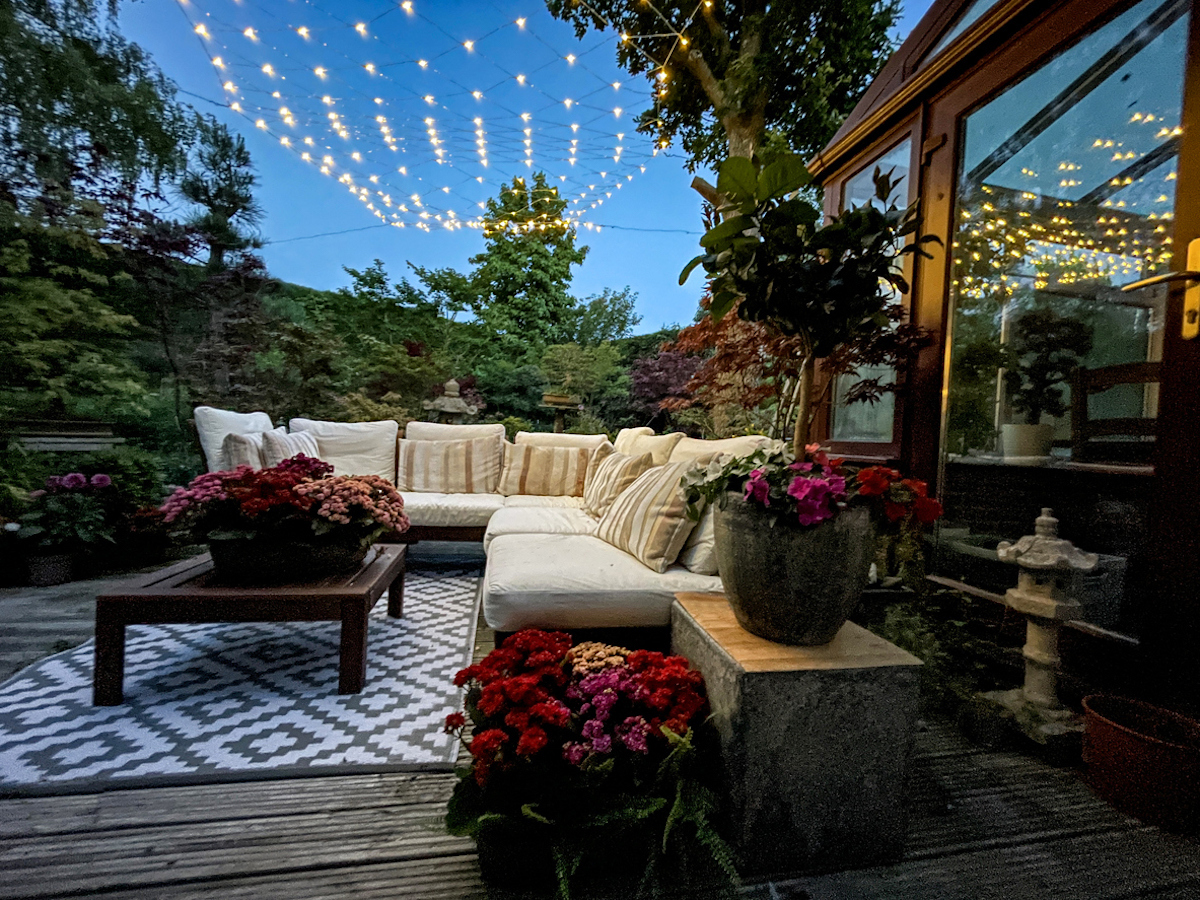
[(852, 648), (194, 578)]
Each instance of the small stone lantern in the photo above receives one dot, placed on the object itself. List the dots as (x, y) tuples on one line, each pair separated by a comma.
[(450, 407), (1043, 596)]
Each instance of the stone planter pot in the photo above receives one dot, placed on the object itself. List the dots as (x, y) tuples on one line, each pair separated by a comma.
[(270, 559), (49, 569), (1144, 760), (792, 584), (1026, 441), (556, 399)]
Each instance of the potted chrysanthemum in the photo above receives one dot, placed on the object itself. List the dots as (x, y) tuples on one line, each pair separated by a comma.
[(587, 769), (286, 522), (64, 518)]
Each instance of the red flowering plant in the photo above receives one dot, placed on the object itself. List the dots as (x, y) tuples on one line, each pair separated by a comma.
[(299, 497), (575, 750), (813, 489)]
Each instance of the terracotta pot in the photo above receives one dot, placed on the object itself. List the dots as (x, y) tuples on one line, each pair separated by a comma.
[(270, 559), (792, 584), (1144, 760), (1026, 441), (50, 569)]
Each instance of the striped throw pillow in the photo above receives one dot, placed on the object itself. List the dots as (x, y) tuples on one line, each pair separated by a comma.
[(448, 467), (608, 475), (649, 519), (544, 471), (278, 447)]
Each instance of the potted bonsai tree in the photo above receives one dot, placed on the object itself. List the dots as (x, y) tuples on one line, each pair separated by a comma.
[(793, 552), (1046, 348)]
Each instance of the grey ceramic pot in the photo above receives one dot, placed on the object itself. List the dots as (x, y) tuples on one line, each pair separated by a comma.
[(792, 584)]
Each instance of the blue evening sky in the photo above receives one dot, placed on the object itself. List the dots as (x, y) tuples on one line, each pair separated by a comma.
[(395, 87)]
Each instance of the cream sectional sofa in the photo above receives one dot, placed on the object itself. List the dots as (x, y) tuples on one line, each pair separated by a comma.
[(546, 566)]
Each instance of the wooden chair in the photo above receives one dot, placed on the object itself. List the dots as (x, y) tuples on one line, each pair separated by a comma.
[(1088, 435)]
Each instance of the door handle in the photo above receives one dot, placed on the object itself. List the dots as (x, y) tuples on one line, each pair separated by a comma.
[(1191, 297)]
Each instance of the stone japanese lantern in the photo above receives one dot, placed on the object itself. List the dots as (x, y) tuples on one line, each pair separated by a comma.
[(451, 408), (1047, 564)]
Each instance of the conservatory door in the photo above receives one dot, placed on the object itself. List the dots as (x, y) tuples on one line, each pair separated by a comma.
[(1069, 192)]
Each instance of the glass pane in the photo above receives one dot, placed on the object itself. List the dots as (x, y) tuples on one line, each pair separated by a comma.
[(1066, 193), (870, 422), (969, 17)]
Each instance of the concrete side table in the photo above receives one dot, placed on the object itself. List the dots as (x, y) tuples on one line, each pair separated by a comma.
[(815, 740)]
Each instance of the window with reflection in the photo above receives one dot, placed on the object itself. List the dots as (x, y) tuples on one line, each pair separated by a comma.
[(870, 422), (1066, 194)]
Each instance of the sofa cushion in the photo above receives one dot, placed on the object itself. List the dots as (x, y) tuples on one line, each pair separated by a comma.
[(699, 553), (449, 467), (659, 446), (608, 475), (278, 447), (690, 449), (451, 510), (523, 500), (649, 519), (437, 431), (546, 471), (538, 520), (243, 450), (213, 424), (355, 448), (550, 439), (575, 581)]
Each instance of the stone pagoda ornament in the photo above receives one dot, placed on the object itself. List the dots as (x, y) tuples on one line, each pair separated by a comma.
[(451, 408), (1047, 566)]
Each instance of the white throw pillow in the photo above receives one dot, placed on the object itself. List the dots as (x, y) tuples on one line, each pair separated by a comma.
[(659, 446), (544, 471), (550, 439), (448, 467), (691, 449), (699, 553), (278, 447), (649, 519), (355, 448), (608, 475), (213, 424), (242, 450), (437, 431)]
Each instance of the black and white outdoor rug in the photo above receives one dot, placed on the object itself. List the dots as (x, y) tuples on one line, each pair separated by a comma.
[(203, 702)]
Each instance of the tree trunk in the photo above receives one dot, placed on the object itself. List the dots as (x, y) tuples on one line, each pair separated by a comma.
[(803, 406)]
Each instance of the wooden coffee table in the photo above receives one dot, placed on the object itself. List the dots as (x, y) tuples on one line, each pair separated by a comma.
[(189, 592)]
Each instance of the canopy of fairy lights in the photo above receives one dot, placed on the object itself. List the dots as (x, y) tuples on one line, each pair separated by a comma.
[(424, 109)]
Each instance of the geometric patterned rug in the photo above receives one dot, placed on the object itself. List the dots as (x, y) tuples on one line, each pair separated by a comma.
[(226, 701)]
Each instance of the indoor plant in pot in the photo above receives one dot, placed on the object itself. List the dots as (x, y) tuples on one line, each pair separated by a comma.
[(835, 289), (287, 522), (795, 538), (1046, 348), (64, 518), (588, 769)]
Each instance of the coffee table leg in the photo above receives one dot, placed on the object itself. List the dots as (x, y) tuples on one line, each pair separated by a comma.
[(109, 673), (352, 666), (396, 596)]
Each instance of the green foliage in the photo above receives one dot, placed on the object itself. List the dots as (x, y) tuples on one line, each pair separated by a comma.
[(66, 521), (361, 408), (513, 424), (221, 181), (579, 371), (71, 86), (1045, 349), (513, 389), (794, 69), (607, 316), (587, 423)]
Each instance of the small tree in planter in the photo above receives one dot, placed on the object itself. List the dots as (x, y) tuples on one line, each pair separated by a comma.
[(1046, 348), (833, 287)]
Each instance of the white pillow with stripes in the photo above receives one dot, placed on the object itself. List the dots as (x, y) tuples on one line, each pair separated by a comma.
[(278, 447), (544, 471), (649, 519), (608, 475), (448, 467)]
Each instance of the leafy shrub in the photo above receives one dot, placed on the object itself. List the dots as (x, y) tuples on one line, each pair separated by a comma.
[(586, 423), (513, 424)]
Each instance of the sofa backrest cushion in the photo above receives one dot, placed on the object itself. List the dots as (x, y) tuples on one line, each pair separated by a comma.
[(213, 424), (699, 553), (544, 471), (690, 449), (608, 474), (550, 439), (437, 431), (635, 442), (449, 467), (278, 447), (355, 448), (649, 519)]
